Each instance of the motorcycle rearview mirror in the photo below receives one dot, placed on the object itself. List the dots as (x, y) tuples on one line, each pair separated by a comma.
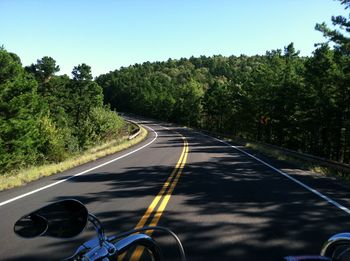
[(61, 219)]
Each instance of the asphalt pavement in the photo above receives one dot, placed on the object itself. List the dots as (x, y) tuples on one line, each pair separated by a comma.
[(223, 203)]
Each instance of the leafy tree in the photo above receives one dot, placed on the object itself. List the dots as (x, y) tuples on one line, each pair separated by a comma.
[(190, 95), (217, 103), (322, 92), (19, 111), (44, 69), (339, 37), (47, 118), (85, 95), (82, 72), (306, 100)]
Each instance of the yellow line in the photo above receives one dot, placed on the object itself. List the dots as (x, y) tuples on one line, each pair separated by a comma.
[(168, 195), (139, 250), (155, 201), (150, 209)]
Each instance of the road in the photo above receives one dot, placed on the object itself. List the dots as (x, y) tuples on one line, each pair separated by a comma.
[(223, 203)]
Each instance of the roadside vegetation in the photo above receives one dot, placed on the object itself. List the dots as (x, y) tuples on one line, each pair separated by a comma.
[(302, 163), (46, 119), (281, 98), (19, 177), (340, 173)]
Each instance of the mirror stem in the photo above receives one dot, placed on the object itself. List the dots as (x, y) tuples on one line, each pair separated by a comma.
[(98, 227)]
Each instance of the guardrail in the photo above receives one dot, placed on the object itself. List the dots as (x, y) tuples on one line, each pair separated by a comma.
[(311, 158), (137, 132), (345, 168)]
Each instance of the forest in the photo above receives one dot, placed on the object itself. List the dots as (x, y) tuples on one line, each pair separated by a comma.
[(46, 118), (281, 98)]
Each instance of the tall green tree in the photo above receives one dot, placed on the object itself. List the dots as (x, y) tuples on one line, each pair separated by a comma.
[(84, 95), (19, 113), (44, 69), (305, 100), (216, 103), (340, 37)]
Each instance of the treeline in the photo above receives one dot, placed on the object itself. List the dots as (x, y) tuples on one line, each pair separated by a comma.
[(47, 118), (301, 103)]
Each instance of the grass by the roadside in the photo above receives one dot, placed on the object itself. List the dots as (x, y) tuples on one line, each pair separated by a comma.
[(279, 155), (300, 163), (24, 176)]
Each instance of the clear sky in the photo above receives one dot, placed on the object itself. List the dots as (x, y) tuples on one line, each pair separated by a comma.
[(107, 34)]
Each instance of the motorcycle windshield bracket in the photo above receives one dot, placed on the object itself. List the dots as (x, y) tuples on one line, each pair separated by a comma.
[(98, 228)]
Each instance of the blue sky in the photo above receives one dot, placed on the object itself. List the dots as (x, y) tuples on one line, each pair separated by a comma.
[(107, 34)]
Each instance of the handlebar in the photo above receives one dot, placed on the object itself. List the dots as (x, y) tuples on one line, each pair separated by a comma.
[(108, 251), (105, 248), (70, 218)]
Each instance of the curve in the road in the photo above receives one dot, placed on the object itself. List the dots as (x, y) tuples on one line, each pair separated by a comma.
[(80, 173)]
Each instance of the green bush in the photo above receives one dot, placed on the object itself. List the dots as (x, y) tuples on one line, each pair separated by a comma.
[(53, 144), (47, 118), (106, 124)]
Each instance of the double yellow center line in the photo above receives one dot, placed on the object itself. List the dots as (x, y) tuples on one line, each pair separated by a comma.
[(162, 199)]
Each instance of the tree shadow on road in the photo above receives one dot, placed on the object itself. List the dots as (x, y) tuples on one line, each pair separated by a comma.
[(225, 207)]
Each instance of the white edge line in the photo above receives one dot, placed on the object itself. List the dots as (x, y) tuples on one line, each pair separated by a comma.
[(329, 200), (80, 173)]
